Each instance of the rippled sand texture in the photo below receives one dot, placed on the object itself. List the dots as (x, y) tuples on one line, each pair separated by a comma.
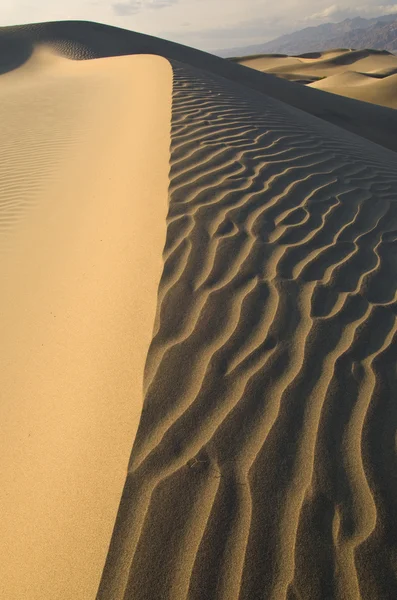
[(264, 462)]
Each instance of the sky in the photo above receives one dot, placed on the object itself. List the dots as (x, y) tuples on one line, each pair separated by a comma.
[(205, 24)]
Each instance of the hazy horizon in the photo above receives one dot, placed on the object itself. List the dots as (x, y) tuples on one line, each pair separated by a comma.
[(199, 23)]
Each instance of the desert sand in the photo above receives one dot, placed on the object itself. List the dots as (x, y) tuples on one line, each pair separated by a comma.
[(80, 262), (188, 248), (367, 75)]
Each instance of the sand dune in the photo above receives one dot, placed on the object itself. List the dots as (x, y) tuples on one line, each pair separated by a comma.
[(277, 321), (366, 87), (93, 40), (264, 458), (342, 72), (80, 144)]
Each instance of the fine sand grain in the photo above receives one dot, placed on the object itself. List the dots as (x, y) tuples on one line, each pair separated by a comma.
[(256, 317), (83, 200)]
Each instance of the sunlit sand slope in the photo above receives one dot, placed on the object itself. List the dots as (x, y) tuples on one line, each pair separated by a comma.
[(263, 464), (84, 163), (367, 75), (369, 88)]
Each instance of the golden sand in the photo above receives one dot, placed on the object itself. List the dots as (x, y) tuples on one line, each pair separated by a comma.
[(203, 255), (367, 75), (84, 178)]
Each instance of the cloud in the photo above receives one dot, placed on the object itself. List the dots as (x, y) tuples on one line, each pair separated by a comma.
[(325, 13), (132, 7), (218, 33), (338, 13), (380, 9)]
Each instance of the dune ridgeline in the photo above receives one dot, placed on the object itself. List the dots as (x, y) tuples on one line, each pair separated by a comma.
[(367, 75), (199, 324)]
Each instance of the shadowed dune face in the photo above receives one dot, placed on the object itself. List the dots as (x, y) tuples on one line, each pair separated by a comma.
[(260, 465), (13, 52)]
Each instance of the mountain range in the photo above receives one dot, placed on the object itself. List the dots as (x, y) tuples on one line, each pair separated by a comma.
[(378, 33)]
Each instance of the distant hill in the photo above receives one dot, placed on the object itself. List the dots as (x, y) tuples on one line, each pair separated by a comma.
[(379, 33), (369, 75)]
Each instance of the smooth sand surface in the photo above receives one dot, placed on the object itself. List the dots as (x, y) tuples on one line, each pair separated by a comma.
[(367, 75), (378, 90), (264, 461), (83, 199)]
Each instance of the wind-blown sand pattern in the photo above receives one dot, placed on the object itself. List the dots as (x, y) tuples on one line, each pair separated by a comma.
[(263, 462)]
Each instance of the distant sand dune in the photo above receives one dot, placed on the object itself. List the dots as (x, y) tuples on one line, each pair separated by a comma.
[(376, 88), (367, 75), (255, 471)]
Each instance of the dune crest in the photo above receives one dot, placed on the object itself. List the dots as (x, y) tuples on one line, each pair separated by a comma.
[(84, 167), (81, 40)]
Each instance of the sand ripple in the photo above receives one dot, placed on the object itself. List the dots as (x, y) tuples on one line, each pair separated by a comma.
[(264, 465)]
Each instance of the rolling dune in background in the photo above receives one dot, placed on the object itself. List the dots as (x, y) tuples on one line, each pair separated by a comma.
[(264, 462), (367, 75)]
